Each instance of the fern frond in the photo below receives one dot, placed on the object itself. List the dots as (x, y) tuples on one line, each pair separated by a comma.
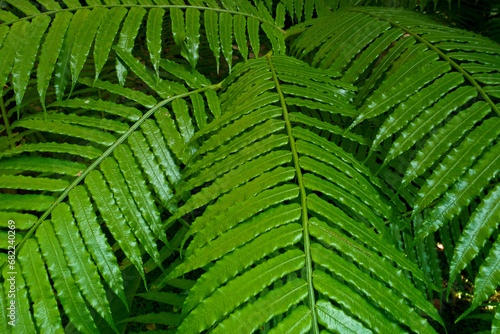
[(442, 139), (80, 263), (457, 162), (64, 283), (105, 36), (476, 233), (19, 293), (241, 228), (295, 182), (463, 191), (96, 241), (45, 309), (113, 216), (129, 209)]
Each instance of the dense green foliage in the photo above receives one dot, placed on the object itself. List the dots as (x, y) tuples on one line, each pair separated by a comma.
[(273, 166)]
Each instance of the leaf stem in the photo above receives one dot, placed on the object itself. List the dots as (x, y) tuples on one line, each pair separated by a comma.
[(303, 197), (104, 156)]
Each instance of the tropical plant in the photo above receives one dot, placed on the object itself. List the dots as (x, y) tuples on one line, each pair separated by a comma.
[(299, 183)]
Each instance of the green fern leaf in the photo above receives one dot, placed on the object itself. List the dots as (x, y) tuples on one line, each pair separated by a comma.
[(43, 165), (26, 53), (457, 162), (8, 51), (279, 165), (269, 143), (442, 139), (25, 202), (171, 134), (317, 147), (487, 279), (252, 188), (274, 303), (58, 127), (151, 168), (298, 321), (337, 320), (128, 34), (199, 110), (95, 241), (153, 36), (398, 93), (129, 209), (370, 261), (50, 4), (384, 297), (88, 152), (315, 183), (166, 160), (163, 88), (337, 216), (428, 120), (238, 236), (64, 283), (226, 37), (366, 194), (244, 210), (192, 36), (72, 3), (24, 6), (115, 109), (63, 70), (32, 183), (83, 41), (178, 26), (253, 35), (23, 220), (463, 191), (80, 263), (240, 27), (146, 100), (7, 16), (409, 109), (113, 217), (244, 140), (211, 20), (94, 122), (105, 36), (45, 309), (4, 30), (241, 289), (272, 32), (193, 78), (353, 302), (482, 224), (334, 129), (338, 57), (397, 50), (139, 190), (23, 319), (361, 64), (50, 51), (240, 259)]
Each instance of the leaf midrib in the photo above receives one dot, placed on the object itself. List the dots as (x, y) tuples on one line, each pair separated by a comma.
[(303, 197)]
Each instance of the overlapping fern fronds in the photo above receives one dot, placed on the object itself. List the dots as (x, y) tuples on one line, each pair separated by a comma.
[(300, 179)]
